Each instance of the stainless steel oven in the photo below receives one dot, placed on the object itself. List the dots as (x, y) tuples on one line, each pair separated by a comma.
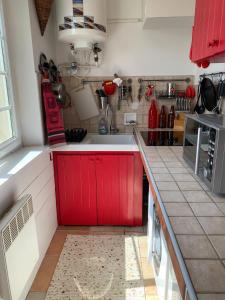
[(204, 149)]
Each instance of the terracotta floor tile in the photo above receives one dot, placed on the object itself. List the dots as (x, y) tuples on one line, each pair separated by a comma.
[(106, 229), (76, 228), (36, 296), (45, 273), (57, 243), (134, 229), (150, 288)]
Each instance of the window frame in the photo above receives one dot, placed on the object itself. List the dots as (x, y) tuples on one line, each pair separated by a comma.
[(15, 141)]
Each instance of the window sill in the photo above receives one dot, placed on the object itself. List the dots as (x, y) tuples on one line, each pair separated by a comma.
[(13, 163), (9, 146)]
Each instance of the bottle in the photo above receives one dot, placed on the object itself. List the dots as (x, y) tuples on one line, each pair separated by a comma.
[(162, 117), (162, 124), (152, 123), (103, 126), (170, 124), (152, 115), (171, 117)]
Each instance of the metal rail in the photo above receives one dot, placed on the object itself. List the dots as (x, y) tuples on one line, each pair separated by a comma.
[(140, 80), (212, 74), (91, 81), (187, 80)]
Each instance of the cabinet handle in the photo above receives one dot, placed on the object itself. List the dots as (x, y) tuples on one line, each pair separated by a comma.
[(198, 150), (50, 156), (213, 43)]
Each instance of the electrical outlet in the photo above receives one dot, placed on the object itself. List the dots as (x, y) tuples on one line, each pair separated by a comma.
[(130, 118)]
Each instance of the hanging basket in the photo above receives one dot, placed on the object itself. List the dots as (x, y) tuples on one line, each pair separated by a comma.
[(43, 8)]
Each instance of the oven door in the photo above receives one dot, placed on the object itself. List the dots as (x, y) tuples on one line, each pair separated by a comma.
[(173, 290), (157, 243), (159, 257), (151, 206)]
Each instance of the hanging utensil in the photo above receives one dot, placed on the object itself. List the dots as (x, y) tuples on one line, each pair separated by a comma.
[(54, 74), (129, 90), (43, 66), (220, 94), (141, 90), (149, 92), (119, 97), (199, 107)]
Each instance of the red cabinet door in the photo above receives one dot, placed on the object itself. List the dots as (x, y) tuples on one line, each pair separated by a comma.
[(75, 189), (119, 195), (221, 47), (196, 48), (212, 43), (208, 38)]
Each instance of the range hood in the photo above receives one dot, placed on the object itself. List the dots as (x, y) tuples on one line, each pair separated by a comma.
[(168, 14)]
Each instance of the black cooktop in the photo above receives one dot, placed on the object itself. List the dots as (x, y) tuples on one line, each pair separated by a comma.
[(163, 138)]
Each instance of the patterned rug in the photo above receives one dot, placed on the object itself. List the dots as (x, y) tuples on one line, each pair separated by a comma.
[(98, 267)]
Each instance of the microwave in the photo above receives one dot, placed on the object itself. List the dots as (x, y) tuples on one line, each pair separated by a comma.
[(204, 149)]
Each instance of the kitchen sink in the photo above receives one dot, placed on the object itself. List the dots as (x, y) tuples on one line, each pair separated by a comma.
[(109, 139)]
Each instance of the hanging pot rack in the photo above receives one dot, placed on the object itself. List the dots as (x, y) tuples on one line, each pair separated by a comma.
[(140, 80), (217, 74), (187, 80), (91, 81)]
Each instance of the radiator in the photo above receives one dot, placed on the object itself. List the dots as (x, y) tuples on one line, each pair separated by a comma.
[(18, 250)]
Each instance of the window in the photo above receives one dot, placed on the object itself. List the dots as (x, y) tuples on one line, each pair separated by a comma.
[(8, 128)]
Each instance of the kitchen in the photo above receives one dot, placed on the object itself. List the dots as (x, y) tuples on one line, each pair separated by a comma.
[(111, 147)]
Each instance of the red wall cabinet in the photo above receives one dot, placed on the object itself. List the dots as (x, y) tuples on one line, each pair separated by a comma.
[(208, 36), (99, 188)]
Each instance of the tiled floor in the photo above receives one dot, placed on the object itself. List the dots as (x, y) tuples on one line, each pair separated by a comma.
[(46, 271)]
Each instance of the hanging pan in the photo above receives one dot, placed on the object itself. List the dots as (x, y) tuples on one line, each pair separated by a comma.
[(208, 94)]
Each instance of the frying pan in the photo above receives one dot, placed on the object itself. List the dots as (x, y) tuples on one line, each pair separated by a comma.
[(208, 94)]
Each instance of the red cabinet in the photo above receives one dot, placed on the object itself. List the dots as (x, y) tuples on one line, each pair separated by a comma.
[(208, 38), (99, 188), (76, 193)]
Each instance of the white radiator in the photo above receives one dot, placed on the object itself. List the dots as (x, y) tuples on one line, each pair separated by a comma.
[(18, 249)]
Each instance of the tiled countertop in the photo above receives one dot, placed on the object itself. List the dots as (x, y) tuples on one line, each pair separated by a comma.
[(195, 215)]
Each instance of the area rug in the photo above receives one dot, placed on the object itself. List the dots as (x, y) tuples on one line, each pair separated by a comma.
[(98, 267)]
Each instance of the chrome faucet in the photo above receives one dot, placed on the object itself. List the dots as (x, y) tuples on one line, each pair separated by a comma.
[(111, 117)]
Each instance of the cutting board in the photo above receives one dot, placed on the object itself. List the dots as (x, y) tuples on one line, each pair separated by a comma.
[(84, 102)]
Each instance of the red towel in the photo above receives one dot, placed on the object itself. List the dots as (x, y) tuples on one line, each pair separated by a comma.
[(53, 115)]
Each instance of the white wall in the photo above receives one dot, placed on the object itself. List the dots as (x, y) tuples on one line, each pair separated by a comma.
[(46, 43), (130, 50), (25, 45), (172, 8), (23, 69)]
